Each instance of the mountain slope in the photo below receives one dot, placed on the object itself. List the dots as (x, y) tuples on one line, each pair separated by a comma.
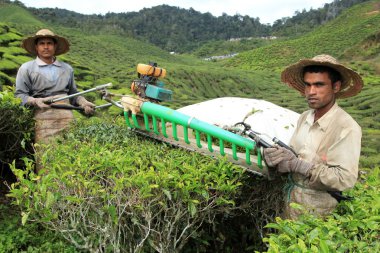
[(99, 59), (168, 27), (105, 58), (349, 29), (11, 13)]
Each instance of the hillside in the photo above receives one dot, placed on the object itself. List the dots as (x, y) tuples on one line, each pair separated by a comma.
[(349, 29), (168, 27), (184, 30), (111, 58), (306, 20), (100, 58), (14, 14)]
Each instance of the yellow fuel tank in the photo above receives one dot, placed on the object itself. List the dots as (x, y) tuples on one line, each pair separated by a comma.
[(148, 70)]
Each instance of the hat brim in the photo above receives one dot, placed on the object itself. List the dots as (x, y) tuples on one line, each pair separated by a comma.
[(63, 45), (352, 82)]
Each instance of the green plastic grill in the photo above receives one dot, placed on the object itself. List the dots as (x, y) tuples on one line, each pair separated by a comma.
[(152, 113)]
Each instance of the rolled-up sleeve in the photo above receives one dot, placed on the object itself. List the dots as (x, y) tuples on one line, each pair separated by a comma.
[(341, 169), (332, 144)]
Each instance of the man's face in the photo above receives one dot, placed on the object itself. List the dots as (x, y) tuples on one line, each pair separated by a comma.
[(319, 90), (45, 48)]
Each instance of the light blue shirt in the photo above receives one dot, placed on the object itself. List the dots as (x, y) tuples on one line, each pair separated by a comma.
[(39, 79)]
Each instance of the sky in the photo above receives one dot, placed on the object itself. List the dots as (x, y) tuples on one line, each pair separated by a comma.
[(267, 10)]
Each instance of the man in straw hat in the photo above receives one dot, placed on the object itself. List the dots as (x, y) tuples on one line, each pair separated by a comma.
[(46, 78), (326, 139)]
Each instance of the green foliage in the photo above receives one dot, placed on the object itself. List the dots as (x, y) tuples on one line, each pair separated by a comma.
[(8, 36), (16, 130), (213, 48), (305, 21), (7, 65), (180, 30), (369, 48), (242, 229), (11, 57), (5, 80), (353, 227), (11, 13), (116, 191), (167, 27), (15, 237)]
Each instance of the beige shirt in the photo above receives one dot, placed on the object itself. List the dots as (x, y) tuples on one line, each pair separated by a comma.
[(332, 144)]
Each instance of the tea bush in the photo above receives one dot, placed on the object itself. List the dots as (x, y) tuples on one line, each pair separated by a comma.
[(16, 129), (105, 189), (29, 238), (353, 227)]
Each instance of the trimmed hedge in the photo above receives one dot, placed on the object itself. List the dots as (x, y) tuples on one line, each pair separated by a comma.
[(16, 131), (106, 189), (353, 227)]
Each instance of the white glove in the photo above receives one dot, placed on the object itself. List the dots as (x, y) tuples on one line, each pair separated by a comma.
[(89, 108), (286, 161), (38, 102)]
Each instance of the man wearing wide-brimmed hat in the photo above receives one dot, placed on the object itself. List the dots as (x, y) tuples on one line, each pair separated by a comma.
[(46, 78), (326, 139)]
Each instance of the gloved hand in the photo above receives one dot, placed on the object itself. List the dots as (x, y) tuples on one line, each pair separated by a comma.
[(38, 102), (89, 108), (286, 161)]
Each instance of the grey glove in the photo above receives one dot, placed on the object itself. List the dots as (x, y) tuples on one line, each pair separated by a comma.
[(89, 108), (38, 102), (286, 161)]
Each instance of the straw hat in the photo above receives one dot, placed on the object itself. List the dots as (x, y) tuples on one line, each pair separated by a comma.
[(29, 44), (352, 83)]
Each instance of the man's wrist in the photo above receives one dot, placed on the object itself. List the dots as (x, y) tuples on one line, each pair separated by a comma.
[(81, 100), (303, 167), (31, 101)]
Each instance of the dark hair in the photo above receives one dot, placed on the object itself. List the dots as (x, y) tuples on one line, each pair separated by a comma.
[(333, 74), (36, 40)]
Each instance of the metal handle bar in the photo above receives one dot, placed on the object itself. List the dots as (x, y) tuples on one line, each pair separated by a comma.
[(256, 137), (69, 107), (78, 108), (99, 87)]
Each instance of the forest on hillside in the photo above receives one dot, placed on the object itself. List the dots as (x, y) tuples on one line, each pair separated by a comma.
[(184, 30)]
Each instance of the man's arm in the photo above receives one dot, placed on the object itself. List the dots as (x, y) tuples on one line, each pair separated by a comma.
[(23, 85), (72, 86), (89, 108), (24, 89), (340, 171)]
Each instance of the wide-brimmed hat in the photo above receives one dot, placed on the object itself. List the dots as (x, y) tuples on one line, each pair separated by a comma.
[(352, 82), (29, 43)]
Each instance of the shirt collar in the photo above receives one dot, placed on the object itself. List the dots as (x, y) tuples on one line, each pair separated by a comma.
[(325, 120), (42, 63)]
